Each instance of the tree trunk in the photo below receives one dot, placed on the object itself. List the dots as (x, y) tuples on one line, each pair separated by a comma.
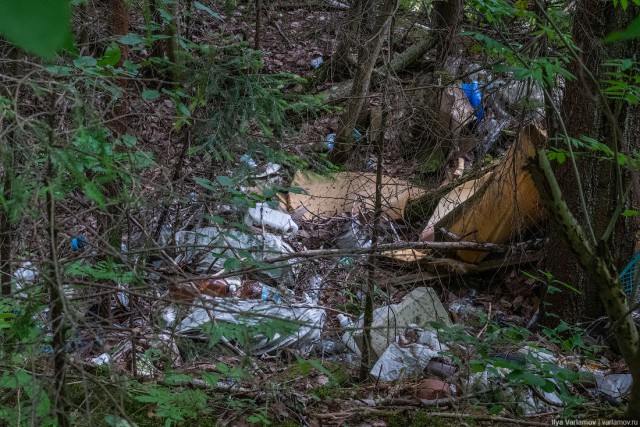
[(110, 221), (367, 57), (597, 247), (583, 115), (398, 63), (447, 21)]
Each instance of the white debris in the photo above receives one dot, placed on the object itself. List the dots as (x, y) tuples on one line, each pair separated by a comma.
[(263, 215)]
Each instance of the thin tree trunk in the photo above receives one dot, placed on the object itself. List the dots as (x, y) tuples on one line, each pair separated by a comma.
[(6, 231), (367, 57), (5, 226), (258, 23), (398, 63), (447, 21), (110, 221), (55, 288)]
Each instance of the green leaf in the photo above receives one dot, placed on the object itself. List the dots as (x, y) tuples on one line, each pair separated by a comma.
[(214, 219), (85, 62), (112, 55), (93, 193), (129, 140), (629, 33), (232, 264), (630, 212), (18, 379), (150, 94), (42, 27), (204, 182), (200, 6), (211, 378), (528, 378), (496, 409), (184, 110), (131, 39), (225, 181)]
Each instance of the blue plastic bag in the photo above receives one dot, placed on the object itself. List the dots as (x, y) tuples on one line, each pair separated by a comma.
[(474, 95), (78, 243)]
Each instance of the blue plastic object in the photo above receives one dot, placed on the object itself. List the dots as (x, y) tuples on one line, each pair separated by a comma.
[(330, 141), (268, 294), (474, 95), (317, 62), (248, 161), (78, 243), (628, 276)]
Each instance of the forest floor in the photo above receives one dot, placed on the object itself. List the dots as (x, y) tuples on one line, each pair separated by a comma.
[(532, 374)]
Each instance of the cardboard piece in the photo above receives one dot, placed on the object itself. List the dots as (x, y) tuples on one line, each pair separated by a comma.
[(327, 196), (406, 255), (502, 208), (451, 201)]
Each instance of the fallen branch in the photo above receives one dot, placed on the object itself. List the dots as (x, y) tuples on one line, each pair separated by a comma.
[(399, 63), (492, 418), (320, 253), (367, 411)]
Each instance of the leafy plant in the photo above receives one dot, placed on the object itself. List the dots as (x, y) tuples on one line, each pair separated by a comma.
[(174, 406)]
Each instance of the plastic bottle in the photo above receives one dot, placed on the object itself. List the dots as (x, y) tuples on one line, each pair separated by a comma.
[(252, 289), (474, 95)]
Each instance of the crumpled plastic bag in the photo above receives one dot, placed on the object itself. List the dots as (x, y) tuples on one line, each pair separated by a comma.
[(303, 329), (225, 245)]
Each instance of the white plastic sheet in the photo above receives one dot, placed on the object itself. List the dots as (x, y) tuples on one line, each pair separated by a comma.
[(308, 319)]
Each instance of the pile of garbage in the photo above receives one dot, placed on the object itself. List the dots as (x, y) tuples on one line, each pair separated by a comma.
[(243, 287)]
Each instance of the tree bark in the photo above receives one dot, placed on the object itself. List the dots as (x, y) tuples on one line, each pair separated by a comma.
[(367, 57), (599, 242), (583, 115), (398, 63), (447, 21)]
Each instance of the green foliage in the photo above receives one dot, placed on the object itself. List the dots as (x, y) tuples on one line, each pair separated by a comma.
[(622, 80), (548, 280), (34, 400), (101, 270), (632, 32), (174, 406), (587, 147), (253, 327), (42, 27), (514, 361), (241, 106)]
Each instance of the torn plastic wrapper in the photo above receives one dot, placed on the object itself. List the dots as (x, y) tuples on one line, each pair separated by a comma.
[(224, 245), (615, 386), (306, 323), (397, 361), (420, 307), (409, 360)]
